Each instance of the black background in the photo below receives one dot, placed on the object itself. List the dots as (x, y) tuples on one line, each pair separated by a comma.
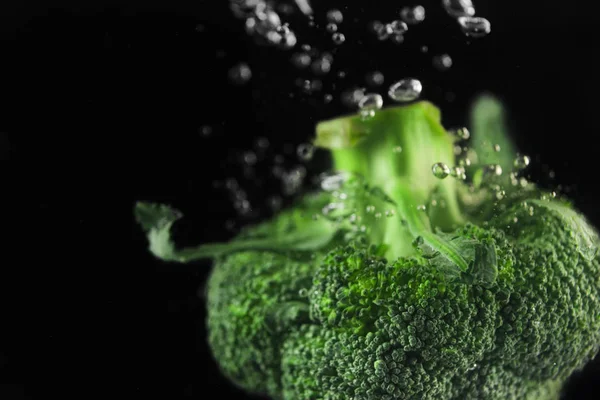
[(101, 105)]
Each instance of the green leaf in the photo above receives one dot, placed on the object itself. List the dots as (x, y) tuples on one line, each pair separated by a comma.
[(157, 220)]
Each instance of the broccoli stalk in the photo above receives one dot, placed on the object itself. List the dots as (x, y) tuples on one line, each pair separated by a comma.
[(395, 150)]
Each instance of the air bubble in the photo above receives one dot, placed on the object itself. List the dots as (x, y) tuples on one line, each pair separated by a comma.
[(413, 15), (497, 148), (475, 27), (338, 38), (458, 172), (397, 149), (327, 98), (274, 202), (375, 78), (405, 90), (372, 101), (440, 170), (331, 28), (205, 130), (521, 162), (333, 182), (421, 207), (442, 62), (335, 16), (301, 60), (305, 151), (321, 66), (390, 213), (398, 38), (370, 209), (240, 74), (462, 133), (459, 8)]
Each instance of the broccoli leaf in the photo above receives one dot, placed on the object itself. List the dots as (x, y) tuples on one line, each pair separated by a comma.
[(157, 220)]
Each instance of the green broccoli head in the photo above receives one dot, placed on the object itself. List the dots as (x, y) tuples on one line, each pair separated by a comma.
[(398, 283)]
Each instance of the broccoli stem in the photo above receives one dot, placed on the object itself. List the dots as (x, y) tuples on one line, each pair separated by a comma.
[(395, 151)]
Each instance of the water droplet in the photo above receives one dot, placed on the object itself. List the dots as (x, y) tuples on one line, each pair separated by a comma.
[(249, 158), (240, 74), (242, 206), (497, 148), (397, 38), (390, 213), (335, 16), (370, 209), (369, 104), (331, 28), (351, 97), (338, 38), (457, 150), (421, 207), (440, 170), (458, 172), (521, 162), (205, 130), (327, 98), (333, 182), (413, 15), (321, 66), (462, 133), (303, 292), (292, 180), (305, 151), (371, 101), (442, 62), (378, 215), (424, 49), (398, 27), (341, 74), (375, 78), (459, 8), (261, 143), (397, 149), (475, 27), (274, 202), (329, 208), (405, 90), (493, 169), (500, 194), (301, 60)]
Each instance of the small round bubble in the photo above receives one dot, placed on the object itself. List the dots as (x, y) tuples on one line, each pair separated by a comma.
[(338, 38), (397, 149), (335, 16), (371, 101), (301, 60), (305, 151), (240, 74), (475, 27), (331, 27), (397, 38), (440, 170), (405, 90), (205, 130), (413, 15), (375, 78), (442, 62), (521, 162), (497, 148), (462, 133)]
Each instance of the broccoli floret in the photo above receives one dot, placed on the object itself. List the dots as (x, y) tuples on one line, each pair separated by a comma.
[(400, 284)]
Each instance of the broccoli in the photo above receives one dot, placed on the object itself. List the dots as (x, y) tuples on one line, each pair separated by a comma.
[(398, 283)]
